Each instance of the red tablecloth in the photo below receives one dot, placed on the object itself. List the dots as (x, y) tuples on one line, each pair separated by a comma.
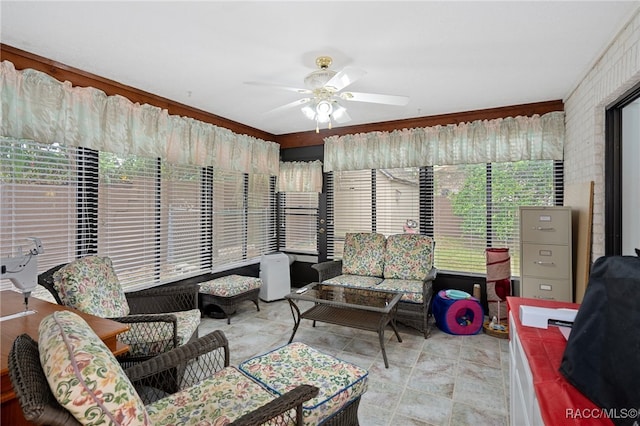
[(560, 403)]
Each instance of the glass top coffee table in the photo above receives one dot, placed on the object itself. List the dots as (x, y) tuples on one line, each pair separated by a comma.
[(354, 307)]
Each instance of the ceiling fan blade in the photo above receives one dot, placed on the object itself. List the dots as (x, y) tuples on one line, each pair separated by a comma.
[(279, 86), (299, 102), (344, 78), (374, 98)]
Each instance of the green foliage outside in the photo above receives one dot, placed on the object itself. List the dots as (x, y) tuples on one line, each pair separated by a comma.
[(523, 183), (20, 162)]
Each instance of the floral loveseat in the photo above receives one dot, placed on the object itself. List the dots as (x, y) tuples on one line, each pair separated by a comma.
[(401, 262)]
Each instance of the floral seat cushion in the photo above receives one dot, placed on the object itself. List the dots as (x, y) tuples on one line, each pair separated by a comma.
[(284, 368), (363, 254), (411, 289), (218, 400), (76, 285), (230, 286), (146, 338), (354, 281), (83, 374), (408, 256)]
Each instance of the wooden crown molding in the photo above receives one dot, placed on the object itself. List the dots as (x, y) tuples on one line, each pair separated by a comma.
[(22, 60)]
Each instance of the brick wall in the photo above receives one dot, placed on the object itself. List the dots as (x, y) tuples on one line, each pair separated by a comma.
[(613, 74)]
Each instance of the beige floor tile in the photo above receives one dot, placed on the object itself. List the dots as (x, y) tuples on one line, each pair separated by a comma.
[(442, 380)]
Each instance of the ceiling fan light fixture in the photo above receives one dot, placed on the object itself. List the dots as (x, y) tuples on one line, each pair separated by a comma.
[(324, 108), (338, 111), (309, 112)]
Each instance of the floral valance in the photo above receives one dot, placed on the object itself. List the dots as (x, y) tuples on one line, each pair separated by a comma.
[(36, 106), (483, 141), (300, 176)]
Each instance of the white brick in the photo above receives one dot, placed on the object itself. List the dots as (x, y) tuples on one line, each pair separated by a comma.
[(615, 73)]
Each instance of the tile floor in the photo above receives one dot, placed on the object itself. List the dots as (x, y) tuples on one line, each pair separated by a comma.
[(443, 380)]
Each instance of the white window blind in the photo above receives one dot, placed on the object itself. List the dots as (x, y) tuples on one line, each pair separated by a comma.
[(229, 222), (244, 215), (476, 206), (151, 220), (397, 201), (466, 208), (299, 222), (351, 206), (185, 239), (129, 217), (261, 216), (39, 187), (460, 210)]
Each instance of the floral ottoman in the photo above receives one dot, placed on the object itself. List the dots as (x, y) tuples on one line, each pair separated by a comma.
[(341, 383), (227, 292)]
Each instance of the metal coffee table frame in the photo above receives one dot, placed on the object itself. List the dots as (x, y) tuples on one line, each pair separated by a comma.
[(353, 307)]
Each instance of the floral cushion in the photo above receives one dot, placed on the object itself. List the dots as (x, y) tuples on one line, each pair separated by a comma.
[(90, 285), (147, 338), (354, 281), (411, 289), (363, 254), (408, 256), (217, 400), (83, 374), (284, 368), (231, 285)]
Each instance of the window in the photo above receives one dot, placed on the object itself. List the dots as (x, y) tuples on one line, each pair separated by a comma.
[(386, 201), (129, 217), (185, 231), (157, 221), (243, 218), (397, 201), (621, 175), (465, 207), (349, 203), (261, 216), (149, 213), (39, 185), (298, 222)]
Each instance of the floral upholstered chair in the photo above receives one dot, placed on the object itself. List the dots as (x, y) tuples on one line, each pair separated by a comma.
[(90, 285), (69, 377)]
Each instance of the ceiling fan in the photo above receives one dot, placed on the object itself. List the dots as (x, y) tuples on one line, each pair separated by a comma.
[(325, 90)]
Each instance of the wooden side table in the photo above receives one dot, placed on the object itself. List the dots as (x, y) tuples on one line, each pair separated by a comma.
[(12, 302)]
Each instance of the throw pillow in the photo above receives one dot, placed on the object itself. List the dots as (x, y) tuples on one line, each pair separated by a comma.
[(408, 256), (83, 374), (90, 285), (363, 254)]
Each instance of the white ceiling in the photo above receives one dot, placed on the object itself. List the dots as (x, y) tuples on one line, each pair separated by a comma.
[(447, 56)]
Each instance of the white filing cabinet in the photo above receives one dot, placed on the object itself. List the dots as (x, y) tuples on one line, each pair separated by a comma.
[(274, 272), (545, 253)]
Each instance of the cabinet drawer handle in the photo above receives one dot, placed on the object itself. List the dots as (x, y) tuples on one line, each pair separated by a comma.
[(542, 228), (540, 262)]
